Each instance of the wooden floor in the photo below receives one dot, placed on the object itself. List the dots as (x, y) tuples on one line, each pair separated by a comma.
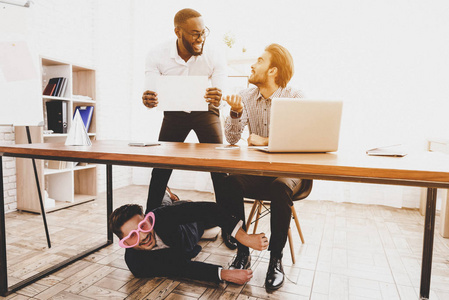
[(351, 251)]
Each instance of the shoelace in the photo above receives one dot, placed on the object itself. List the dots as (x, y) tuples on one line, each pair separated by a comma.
[(275, 264), (239, 257), (255, 262)]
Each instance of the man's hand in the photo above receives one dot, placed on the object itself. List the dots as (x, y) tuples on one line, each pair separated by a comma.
[(255, 241), (213, 96), (237, 276), (257, 140), (149, 99), (235, 101)]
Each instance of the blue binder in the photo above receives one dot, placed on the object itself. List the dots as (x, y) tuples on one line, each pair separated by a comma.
[(86, 113)]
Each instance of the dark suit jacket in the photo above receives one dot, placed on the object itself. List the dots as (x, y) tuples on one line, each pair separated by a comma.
[(180, 227)]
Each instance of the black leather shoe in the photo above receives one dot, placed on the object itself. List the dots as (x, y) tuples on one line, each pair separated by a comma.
[(275, 274), (229, 241), (242, 261)]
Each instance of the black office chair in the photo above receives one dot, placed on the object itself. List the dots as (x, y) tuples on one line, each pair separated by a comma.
[(304, 191)]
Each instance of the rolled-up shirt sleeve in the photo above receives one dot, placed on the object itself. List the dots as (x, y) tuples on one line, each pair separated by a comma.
[(234, 127)]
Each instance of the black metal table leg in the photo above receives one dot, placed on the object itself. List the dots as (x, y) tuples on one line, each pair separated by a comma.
[(39, 192), (3, 266), (41, 203), (109, 199), (4, 289), (429, 229)]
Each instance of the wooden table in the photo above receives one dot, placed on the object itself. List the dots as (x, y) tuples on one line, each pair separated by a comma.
[(424, 169)]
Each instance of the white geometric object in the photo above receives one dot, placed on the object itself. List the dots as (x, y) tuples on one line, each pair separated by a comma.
[(77, 133)]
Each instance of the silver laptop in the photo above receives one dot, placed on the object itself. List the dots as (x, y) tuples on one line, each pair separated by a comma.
[(299, 125)]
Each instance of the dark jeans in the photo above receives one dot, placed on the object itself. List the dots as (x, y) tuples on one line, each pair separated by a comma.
[(277, 190), (175, 128)]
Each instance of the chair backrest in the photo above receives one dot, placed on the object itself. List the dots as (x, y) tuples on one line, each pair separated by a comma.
[(304, 191)]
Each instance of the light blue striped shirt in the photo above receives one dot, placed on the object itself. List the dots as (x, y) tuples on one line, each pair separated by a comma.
[(256, 112)]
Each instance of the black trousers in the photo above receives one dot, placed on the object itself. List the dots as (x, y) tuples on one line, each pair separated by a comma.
[(180, 226), (175, 128), (277, 190)]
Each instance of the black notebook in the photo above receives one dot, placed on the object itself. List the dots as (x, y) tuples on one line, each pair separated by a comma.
[(55, 87), (57, 116)]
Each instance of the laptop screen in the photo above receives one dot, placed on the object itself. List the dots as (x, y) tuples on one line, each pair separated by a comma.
[(304, 125)]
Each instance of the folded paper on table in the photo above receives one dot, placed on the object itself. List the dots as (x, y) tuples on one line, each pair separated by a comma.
[(143, 144), (180, 93), (77, 135), (393, 150)]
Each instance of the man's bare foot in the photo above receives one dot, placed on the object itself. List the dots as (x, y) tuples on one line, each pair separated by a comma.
[(237, 276), (173, 196), (254, 241)]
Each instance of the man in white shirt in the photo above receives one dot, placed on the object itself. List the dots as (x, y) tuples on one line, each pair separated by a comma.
[(270, 76), (188, 55)]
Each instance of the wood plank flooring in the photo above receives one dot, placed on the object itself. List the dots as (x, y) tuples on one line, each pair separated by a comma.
[(351, 251)]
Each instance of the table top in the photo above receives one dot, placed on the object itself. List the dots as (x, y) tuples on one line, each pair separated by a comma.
[(418, 169)]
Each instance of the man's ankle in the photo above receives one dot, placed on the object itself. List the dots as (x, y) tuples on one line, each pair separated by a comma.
[(242, 250), (277, 255)]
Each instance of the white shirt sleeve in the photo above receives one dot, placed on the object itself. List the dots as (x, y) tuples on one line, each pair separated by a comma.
[(151, 71), (220, 75), (219, 273)]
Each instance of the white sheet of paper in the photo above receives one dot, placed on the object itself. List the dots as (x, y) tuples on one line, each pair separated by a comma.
[(16, 61), (182, 93), (20, 86)]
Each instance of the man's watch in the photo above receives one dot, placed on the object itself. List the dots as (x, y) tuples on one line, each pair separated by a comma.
[(236, 115)]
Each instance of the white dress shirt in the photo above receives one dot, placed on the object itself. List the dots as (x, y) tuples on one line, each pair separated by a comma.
[(165, 60)]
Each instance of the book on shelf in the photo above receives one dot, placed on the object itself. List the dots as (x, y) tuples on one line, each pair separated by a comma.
[(58, 86), (86, 113), (57, 116), (49, 89), (63, 88), (55, 87), (56, 80)]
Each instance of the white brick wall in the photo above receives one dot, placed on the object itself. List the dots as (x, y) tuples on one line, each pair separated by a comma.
[(9, 170)]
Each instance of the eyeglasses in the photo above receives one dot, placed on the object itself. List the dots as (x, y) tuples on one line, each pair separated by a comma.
[(196, 36), (133, 238)]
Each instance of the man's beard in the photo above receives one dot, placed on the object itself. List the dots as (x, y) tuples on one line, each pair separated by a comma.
[(258, 80), (189, 47)]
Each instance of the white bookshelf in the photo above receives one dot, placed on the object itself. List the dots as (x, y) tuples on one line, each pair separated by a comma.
[(72, 184)]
